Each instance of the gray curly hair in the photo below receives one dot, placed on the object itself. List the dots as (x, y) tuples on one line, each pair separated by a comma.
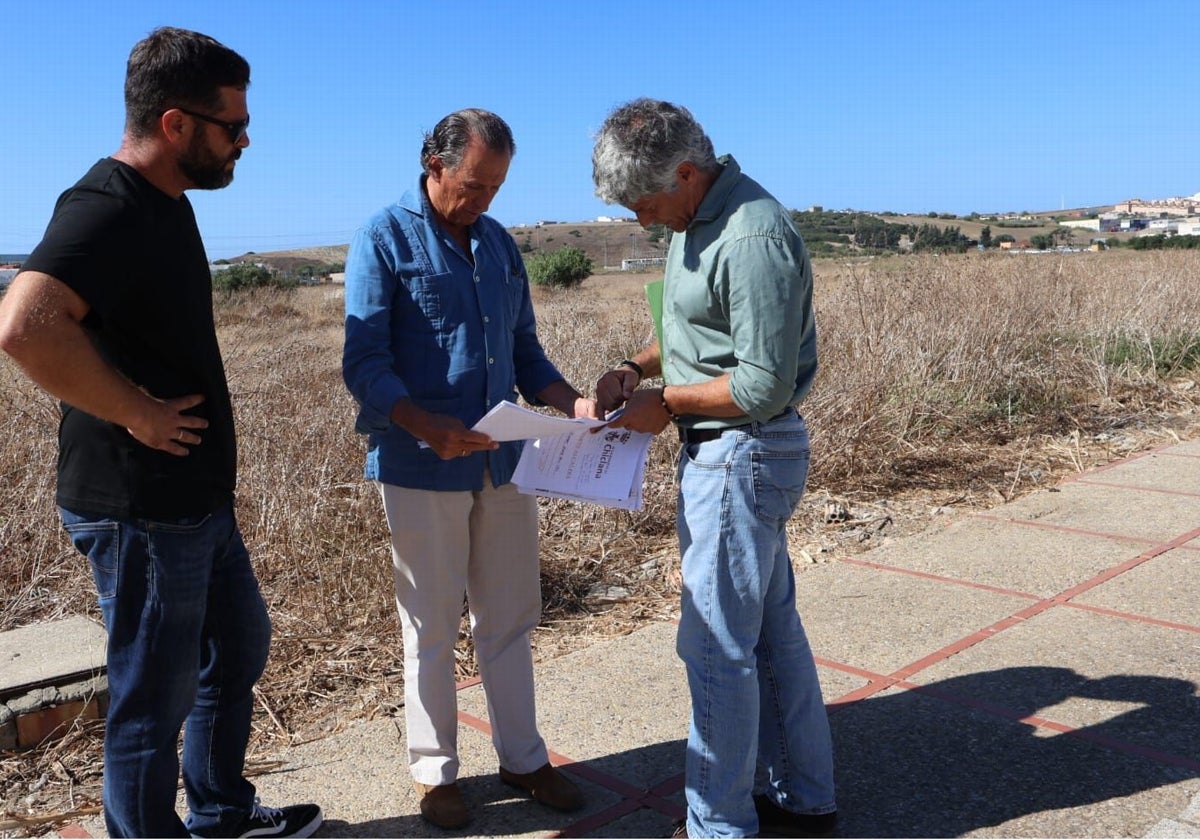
[(640, 146)]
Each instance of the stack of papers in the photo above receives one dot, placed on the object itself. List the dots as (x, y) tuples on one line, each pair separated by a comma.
[(567, 460)]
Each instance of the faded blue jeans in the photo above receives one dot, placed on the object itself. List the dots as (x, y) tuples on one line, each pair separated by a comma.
[(187, 639), (757, 711)]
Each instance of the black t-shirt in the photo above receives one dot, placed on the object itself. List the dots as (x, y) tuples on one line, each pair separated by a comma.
[(135, 255)]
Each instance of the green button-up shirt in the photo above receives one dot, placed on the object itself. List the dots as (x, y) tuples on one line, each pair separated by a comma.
[(737, 299)]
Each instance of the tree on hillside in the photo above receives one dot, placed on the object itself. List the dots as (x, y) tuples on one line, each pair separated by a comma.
[(985, 237)]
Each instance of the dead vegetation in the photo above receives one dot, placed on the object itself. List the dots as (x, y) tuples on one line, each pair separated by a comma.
[(947, 384)]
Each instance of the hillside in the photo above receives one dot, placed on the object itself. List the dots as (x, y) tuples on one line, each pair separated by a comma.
[(605, 243), (608, 243)]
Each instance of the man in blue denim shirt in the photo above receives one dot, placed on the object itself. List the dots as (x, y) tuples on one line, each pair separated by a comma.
[(439, 329), (738, 352)]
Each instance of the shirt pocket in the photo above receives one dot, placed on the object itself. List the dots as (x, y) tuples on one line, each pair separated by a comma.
[(426, 311), (514, 292)]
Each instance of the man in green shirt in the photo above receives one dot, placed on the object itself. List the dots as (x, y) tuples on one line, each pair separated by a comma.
[(738, 353)]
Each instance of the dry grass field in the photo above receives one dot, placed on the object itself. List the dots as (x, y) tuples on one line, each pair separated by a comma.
[(947, 384)]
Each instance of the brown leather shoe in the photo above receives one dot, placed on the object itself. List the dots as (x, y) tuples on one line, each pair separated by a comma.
[(547, 786), (443, 805)]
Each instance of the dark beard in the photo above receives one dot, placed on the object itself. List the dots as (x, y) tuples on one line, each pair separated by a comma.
[(203, 168)]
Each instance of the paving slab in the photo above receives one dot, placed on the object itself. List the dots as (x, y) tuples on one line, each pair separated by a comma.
[(1010, 555), (50, 652), (1166, 587), (1159, 471), (880, 621), (1139, 513)]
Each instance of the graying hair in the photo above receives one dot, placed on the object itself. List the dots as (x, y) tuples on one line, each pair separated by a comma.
[(454, 132), (640, 146)]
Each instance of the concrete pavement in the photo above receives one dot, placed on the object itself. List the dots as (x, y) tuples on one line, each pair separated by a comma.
[(1031, 671)]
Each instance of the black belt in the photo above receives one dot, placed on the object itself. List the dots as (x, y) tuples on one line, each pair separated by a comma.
[(690, 435)]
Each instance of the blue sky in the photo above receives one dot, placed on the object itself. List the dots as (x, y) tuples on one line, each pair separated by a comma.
[(911, 106)]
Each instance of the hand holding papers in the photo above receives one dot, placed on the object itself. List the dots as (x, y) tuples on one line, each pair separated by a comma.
[(565, 460), (509, 421)]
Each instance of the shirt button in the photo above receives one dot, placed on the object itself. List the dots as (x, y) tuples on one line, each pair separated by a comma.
[(486, 320), (476, 279), (491, 361)]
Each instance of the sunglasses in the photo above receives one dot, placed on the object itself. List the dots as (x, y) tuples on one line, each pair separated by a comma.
[(236, 130)]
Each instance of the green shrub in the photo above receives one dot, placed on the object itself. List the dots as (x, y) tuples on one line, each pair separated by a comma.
[(248, 276), (565, 267)]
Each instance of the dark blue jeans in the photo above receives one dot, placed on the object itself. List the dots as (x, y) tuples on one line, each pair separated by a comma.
[(188, 635)]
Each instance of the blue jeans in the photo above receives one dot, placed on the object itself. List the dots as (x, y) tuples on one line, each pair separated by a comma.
[(187, 639), (757, 711)]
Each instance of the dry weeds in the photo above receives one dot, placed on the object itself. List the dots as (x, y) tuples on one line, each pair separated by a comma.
[(946, 384)]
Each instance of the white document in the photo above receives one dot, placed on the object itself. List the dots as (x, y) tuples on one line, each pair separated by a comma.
[(603, 468), (509, 421)]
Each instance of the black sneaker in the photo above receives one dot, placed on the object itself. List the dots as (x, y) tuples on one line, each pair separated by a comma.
[(774, 821), (292, 821)]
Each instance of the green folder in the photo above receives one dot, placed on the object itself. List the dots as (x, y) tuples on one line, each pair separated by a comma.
[(654, 295)]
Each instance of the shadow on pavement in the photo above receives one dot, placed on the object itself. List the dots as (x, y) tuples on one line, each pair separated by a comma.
[(499, 810), (931, 762)]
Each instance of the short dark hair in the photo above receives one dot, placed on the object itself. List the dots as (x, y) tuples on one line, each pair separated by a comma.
[(178, 68), (451, 136)]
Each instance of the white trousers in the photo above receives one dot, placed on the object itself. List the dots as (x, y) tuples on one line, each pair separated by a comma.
[(445, 543)]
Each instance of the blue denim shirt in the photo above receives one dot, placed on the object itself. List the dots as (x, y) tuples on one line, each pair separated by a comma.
[(737, 299), (423, 322)]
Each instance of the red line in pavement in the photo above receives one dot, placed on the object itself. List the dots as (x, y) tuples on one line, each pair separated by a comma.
[(1143, 619), (1090, 483), (970, 641), (1108, 575), (1178, 542), (854, 561), (599, 819), (477, 723), (633, 797), (849, 669), (1066, 529)]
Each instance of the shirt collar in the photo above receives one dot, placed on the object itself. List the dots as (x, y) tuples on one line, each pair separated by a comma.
[(416, 201), (713, 203)]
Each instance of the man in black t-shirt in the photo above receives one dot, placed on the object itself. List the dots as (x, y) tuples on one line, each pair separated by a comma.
[(112, 314)]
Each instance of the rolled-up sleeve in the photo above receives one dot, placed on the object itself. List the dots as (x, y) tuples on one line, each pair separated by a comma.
[(367, 358), (770, 314)]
